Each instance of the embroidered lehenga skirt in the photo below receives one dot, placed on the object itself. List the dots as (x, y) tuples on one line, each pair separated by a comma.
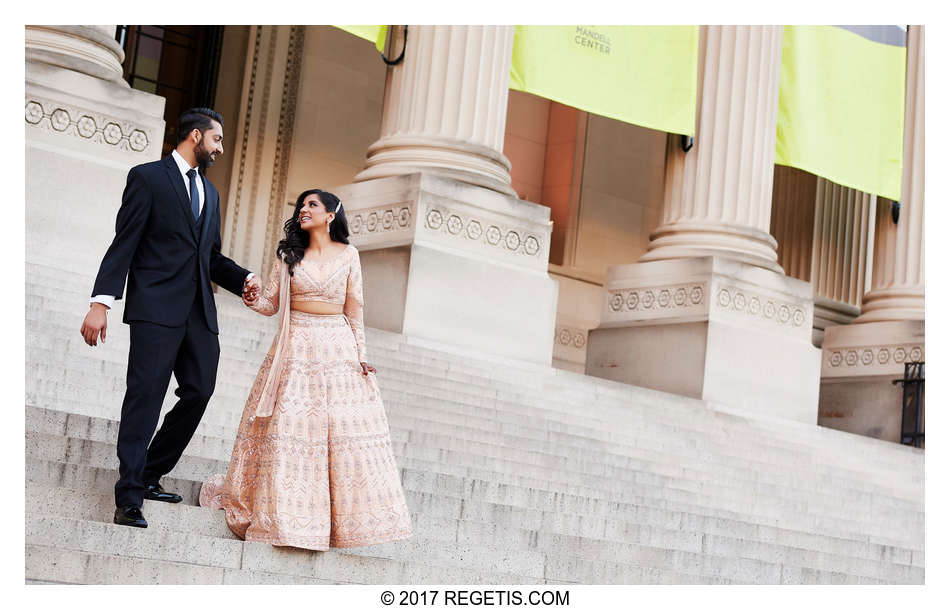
[(320, 471)]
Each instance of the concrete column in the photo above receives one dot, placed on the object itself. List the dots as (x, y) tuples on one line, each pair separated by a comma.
[(88, 49), (843, 220), (897, 284), (445, 107), (449, 252), (793, 219), (719, 195), (859, 361), (823, 231), (707, 312)]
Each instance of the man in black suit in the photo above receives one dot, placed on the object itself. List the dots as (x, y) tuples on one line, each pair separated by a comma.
[(168, 243)]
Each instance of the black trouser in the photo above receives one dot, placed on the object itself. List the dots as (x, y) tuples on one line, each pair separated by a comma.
[(155, 352)]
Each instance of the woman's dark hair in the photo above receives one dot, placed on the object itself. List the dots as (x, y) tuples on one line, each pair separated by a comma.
[(296, 240), (196, 118)]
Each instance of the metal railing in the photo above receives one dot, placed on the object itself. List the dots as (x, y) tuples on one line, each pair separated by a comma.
[(912, 414)]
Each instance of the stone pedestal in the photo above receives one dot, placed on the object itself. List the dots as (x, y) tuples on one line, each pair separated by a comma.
[(710, 328), (860, 361), (859, 365), (579, 305), (707, 312), (85, 128), (449, 252), (455, 263)]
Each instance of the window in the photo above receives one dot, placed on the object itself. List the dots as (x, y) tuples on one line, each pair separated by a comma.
[(177, 62)]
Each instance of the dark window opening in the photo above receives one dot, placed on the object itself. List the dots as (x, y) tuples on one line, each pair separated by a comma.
[(177, 62)]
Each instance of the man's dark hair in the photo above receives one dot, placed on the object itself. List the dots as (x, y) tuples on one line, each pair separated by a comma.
[(196, 118)]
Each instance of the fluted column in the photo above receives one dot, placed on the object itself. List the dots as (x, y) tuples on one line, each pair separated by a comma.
[(793, 219), (718, 195), (90, 49), (822, 230), (897, 285), (839, 255), (445, 107)]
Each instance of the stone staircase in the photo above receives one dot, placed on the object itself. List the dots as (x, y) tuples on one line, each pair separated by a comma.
[(514, 473)]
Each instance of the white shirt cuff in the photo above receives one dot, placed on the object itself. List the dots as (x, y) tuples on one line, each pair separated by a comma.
[(105, 299), (249, 276)]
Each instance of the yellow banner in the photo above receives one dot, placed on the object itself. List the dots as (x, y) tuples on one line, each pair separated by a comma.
[(841, 105), (645, 75), (373, 33)]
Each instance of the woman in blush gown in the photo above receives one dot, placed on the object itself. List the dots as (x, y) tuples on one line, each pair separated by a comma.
[(312, 466)]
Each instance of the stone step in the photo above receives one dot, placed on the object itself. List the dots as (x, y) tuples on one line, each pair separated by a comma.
[(511, 469), (615, 458), (440, 396), (67, 566), (95, 505), (708, 455), (233, 386), (426, 401), (402, 562), (448, 450), (512, 459), (485, 538), (55, 282), (241, 375), (765, 510), (435, 513), (488, 539)]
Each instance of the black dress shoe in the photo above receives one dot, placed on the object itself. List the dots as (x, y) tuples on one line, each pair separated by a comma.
[(154, 491), (129, 515)]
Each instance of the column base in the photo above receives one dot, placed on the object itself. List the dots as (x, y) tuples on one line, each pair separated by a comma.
[(89, 49), (714, 329), (453, 159), (692, 239), (859, 363), (454, 263), (829, 312), (893, 305)]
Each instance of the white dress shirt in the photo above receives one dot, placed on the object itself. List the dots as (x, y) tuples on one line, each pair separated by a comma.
[(183, 167)]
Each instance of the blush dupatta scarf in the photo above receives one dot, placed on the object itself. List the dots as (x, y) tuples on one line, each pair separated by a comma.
[(265, 406)]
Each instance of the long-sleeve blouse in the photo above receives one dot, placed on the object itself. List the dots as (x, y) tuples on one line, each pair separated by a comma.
[(337, 280)]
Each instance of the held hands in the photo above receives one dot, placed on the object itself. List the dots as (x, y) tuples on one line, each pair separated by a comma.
[(252, 289), (94, 324), (367, 368)]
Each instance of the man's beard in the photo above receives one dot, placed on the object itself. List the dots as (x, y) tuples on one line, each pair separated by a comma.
[(204, 158)]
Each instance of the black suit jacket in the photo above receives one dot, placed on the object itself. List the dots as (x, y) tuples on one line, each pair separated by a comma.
[(169, 259)]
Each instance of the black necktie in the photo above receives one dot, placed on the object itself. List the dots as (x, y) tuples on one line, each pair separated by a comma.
[(193, 186)]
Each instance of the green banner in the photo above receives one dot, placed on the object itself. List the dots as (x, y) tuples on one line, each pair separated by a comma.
[(841, 105), (645, 75), (373, 33)]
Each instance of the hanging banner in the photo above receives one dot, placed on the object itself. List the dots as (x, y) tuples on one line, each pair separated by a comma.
[(645, 75), (373, 33), (841, 104)]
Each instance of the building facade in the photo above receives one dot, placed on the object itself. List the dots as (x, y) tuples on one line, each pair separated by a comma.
[(500, 222)]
